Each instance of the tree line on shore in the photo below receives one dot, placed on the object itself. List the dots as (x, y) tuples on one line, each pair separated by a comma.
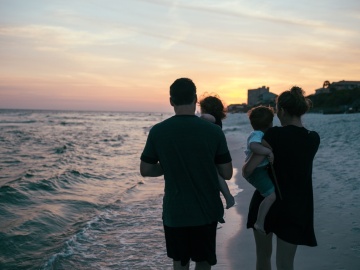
[(336, 101)]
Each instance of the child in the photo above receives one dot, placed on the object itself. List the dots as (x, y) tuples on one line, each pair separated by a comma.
[(261, 118), (213, 110)]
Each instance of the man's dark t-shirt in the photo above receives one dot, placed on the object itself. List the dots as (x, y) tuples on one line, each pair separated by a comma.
[(188, 149)]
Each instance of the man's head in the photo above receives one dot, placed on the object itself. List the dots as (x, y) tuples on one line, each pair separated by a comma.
[(182, 92)]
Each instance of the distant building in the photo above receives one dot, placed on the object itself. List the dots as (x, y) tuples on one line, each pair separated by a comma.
[(267, 97), (345, 85), (337, 86), (260, 95), (322, 91), (254, 95), (235, 108)]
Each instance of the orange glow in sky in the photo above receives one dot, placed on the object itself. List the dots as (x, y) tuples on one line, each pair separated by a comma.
[(123, 55)]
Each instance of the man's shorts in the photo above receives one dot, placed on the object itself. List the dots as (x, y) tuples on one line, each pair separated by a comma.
[(197, 243)]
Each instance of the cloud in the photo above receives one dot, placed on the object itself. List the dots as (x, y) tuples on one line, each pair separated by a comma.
[(140, 46), (241, 12), (58, 35)]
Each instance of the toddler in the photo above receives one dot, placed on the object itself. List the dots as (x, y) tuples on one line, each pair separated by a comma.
[(261, 118)]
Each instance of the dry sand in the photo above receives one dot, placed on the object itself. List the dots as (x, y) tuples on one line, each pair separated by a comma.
[(235, 243)]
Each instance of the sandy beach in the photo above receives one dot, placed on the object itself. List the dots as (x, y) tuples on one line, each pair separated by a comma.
[(235, 243)]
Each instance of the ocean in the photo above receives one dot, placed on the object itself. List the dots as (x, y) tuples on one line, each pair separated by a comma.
[(71, 195)]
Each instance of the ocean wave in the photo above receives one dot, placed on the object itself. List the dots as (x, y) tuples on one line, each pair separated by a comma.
[(11, 123), (69, 123), (60, 150), (34, 233), (11, 195), (114, 236)]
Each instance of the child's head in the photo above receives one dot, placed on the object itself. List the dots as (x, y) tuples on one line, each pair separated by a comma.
[(213, 105), (261, 117)]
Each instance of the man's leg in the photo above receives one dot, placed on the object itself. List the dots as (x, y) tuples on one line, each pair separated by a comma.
[(202, 266), (285, 255), (203, 246), (177, 265), (263, 250)]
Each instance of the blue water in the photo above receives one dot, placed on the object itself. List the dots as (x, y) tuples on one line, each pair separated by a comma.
[(70, 192), (71, 196)]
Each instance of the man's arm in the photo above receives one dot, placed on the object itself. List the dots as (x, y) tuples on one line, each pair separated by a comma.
[(151, 170), (225, 170)]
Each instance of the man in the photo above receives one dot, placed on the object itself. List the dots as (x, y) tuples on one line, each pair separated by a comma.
[(189, 152)]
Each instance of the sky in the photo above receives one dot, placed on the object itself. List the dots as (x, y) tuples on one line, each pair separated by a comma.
[(122, 55)]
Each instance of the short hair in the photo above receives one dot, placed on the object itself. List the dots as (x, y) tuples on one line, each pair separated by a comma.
[(182, 91), (261, 117), (213, 105), (293, 101)]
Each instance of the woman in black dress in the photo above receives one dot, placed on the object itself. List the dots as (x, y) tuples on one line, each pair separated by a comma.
[(291, 218)]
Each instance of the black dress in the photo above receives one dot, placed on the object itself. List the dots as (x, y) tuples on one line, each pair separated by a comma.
[(292, 218)]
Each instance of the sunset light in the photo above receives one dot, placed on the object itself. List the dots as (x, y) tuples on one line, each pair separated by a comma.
[(123, 55)]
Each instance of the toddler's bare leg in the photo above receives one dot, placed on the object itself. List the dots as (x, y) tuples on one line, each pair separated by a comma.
[(263, 210)]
